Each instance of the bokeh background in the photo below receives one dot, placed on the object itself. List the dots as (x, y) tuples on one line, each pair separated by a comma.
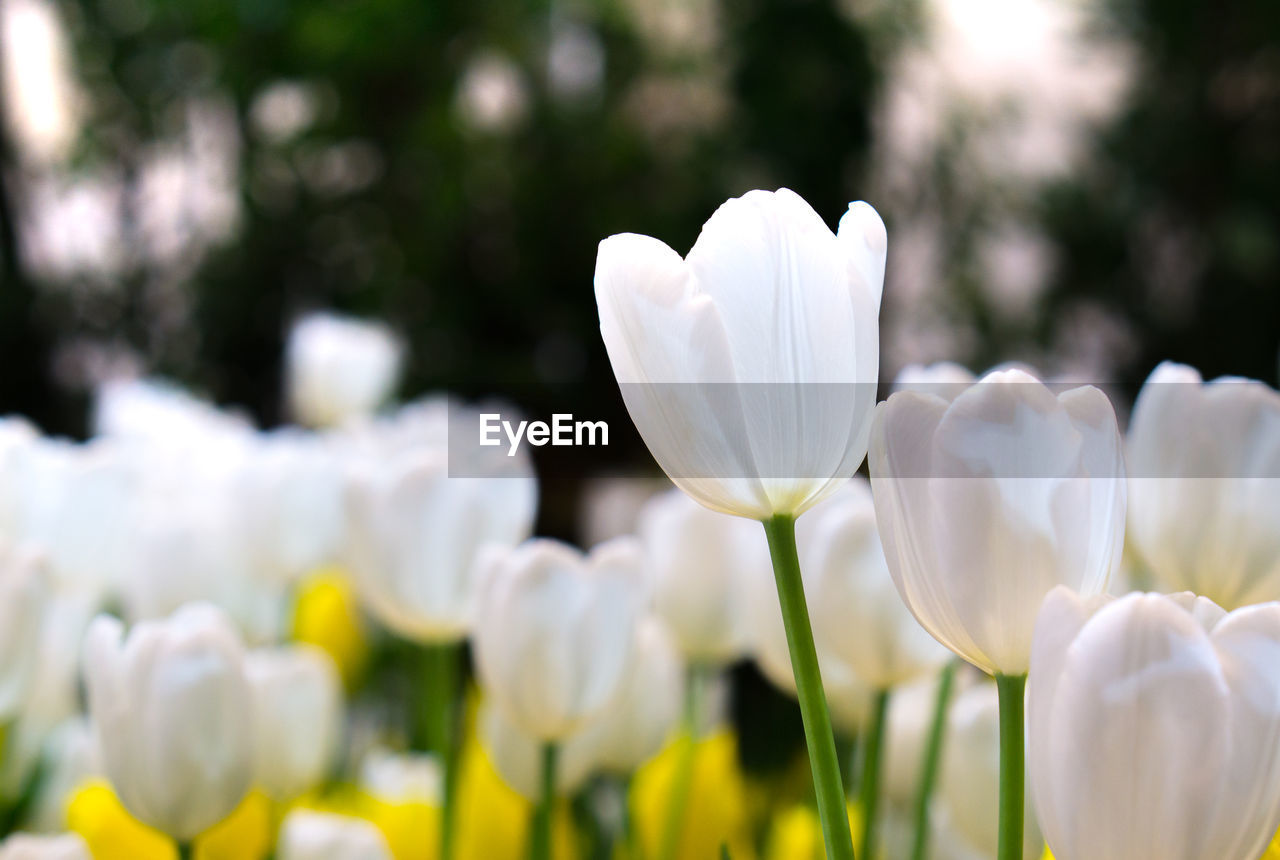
[(1090, 187)]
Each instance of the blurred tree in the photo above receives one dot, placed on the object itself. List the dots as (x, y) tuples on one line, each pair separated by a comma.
[(1176, 225)]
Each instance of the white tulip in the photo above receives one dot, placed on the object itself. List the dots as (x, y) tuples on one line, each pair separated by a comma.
[(987, 502), (555, 630), (399, 777), (849, 698), (1204, 499), (1153, 726), (194, 548), (858, 615), (697, 564), (17, 438), (339, 368), (297, 717), (969, 780), (750, 366), (171, 708), (68, 758), (945, 379), (642, 715), (517, 757), (76, 505), (290, 497), (308, 835), (24, 594), (53, 696), (24, 846), (416, 534)]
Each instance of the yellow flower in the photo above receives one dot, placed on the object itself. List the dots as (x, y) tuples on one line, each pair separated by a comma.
[(327, 614), (492, 820), (112, 833), (796, 833), (1273, 850), (716, 813)]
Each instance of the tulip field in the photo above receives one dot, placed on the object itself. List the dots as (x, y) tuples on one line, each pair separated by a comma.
[(1017, 631), (639, 430)]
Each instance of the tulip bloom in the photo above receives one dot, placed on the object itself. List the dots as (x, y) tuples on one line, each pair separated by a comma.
[(636, 725), (414, 536), (554, 634), (171, 708), (697, 563), (23, 598), (307, 835), (985, 504), (1153, 724), (858, 615), (23, 846), (339, 368), (555, 630), (750, 366), (297, 717), (1204, 499)]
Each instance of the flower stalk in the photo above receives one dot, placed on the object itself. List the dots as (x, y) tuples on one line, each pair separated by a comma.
[(1012, 689), (540, 832), (869, 789), (932, 760), (819, 737)]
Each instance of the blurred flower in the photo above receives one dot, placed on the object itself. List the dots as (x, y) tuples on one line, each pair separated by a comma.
[(1154, 719), (492, 93), (717, 810), (96, 814), (193, 547), (308, 835), (518, 757), (339, 368), (944, 378), (749, 368), (169, 704), (849, 698), (1204, 498), (415, 534), (639, 721), (796, 833), (969, 781), (985, 503), (24, 593), (68, 758), (857, 613), (297, 717), (698, 563), (22, 846), (399, 777), (611, 506), (289, 494), (555, 630), (401, 794), (493, 819), (325, 614)]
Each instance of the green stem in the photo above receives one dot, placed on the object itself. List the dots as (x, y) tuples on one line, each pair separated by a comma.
[(540, 832), (1011, 689), (678, 799), (438, 725), (629, 837), (819, 738), (869, 790), (186, 850), (932, 760)]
